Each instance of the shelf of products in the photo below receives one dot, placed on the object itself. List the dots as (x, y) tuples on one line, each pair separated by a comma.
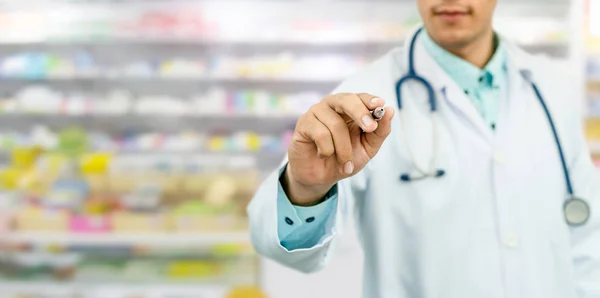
[(125, 269), (126, 195), (593, 82), (121, 266), (82, 290), (216, 102), (80, 66), (78, 214), (593, 86), (110, 239), (196, 146)]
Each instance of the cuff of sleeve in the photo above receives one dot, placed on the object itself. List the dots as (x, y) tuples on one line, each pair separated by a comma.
[(293, 218)]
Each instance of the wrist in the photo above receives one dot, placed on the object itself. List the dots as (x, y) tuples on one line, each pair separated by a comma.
[(300, 194)]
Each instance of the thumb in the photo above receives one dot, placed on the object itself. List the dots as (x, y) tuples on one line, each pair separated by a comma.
[(374, 140)]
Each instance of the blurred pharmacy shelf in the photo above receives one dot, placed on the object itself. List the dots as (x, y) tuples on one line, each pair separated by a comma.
[(119, 124), (592, 76), (117, 239), (594, 147), (175, 80), (86, 290)]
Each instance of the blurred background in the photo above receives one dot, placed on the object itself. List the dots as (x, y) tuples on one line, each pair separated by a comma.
[(134, 133)]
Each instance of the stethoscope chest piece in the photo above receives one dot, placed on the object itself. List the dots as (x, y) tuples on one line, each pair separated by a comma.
[(577, 212)]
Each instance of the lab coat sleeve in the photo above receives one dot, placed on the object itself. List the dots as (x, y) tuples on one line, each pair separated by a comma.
[(586, 239)]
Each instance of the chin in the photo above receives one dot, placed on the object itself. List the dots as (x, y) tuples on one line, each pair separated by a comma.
[(452, 37)]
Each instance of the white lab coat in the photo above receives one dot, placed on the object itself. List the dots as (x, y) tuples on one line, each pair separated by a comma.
[(493, 226)]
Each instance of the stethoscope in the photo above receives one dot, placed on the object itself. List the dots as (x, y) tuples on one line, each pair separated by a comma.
[(576, 211)]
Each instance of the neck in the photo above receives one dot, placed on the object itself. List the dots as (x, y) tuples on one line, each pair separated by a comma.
[(478, 52)]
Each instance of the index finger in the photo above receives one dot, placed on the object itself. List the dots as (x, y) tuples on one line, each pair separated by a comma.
[(371, 101), (357, 107)]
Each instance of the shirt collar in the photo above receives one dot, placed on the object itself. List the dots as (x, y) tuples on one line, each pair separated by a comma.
[(465, 74)]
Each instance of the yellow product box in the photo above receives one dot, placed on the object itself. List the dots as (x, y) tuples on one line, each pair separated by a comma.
[(25, 157), (217, 144), (253, 142), (193, 269), (232, 249), (246, 292), (10, 178), (95, 163), (44, 220), (139, 222), (28, 181), (592, 129)]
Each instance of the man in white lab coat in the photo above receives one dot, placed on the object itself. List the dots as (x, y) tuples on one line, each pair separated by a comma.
[(488, 217)]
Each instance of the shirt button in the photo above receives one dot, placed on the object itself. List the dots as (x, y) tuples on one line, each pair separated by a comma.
[(512, 241), (499, 157), (289, 221)]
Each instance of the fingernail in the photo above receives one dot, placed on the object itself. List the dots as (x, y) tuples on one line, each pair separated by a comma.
[(348, 168), (377, 102), (367, 121)]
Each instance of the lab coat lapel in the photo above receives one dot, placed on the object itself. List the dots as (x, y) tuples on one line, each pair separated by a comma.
[(514, 108), (513, 105), (449, 92)]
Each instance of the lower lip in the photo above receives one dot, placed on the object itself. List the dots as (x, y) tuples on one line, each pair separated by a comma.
[(452, 17)]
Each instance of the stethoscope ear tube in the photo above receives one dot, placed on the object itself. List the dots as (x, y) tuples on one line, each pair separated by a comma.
[(413, 76)]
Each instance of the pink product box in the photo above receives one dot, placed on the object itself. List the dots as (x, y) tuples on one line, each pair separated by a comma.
[(90, 224)]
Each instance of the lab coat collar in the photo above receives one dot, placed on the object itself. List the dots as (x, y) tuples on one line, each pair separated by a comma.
[(520, 68), (448, 90), (522, 63)]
